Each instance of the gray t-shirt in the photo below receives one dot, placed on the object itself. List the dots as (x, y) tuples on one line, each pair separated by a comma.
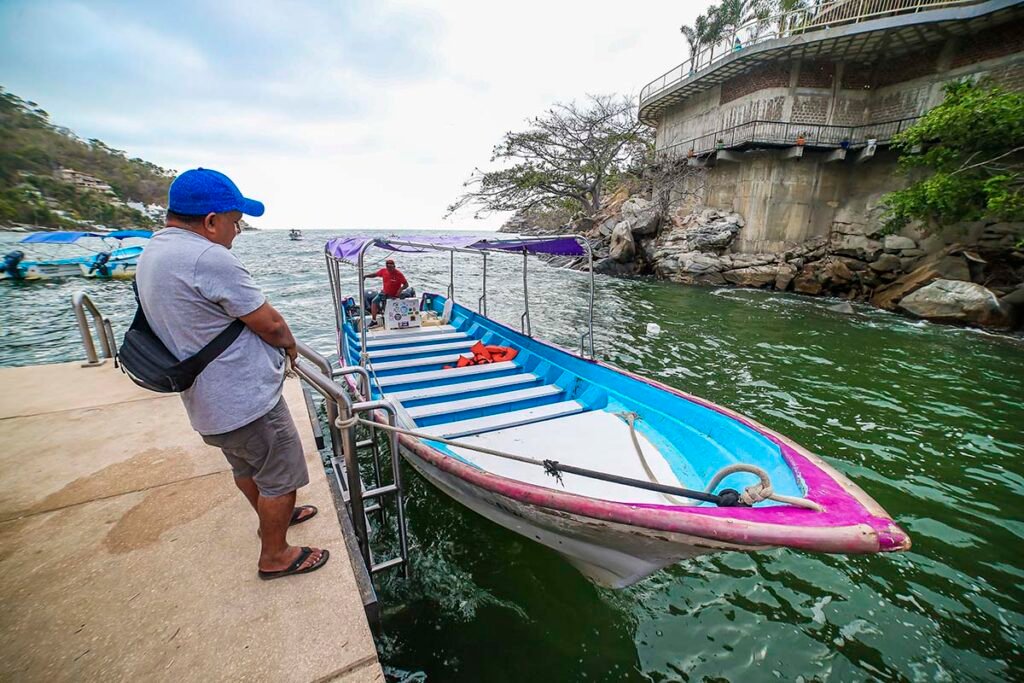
[(191, 289)]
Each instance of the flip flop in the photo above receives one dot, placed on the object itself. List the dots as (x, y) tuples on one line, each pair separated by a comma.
[(295, 515), (293, 568), (296, 519)]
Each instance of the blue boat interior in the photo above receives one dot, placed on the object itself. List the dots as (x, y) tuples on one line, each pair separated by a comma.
[(548, 403)]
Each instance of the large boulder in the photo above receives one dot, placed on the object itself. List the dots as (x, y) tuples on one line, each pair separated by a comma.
[(622, 248), (642, 215), (807, 281), (609, 266), (956, 301), (947, 264), (753, 276), (886, 263), (784, 277), (894, 243)]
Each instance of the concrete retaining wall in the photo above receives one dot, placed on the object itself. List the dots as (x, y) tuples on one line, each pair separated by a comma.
[(786, 201)]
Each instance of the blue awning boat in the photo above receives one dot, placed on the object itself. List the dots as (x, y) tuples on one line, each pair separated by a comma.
[(107, 256)]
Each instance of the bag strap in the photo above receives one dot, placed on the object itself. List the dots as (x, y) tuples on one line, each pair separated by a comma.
[(206, 355), (217, 346)]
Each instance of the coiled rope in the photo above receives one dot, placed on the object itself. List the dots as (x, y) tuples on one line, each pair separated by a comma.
[(553, 468)]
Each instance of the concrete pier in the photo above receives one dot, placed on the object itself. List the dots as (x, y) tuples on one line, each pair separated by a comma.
[(127, 553)]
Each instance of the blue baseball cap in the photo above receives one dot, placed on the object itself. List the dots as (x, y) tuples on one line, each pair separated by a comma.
[(201, 191)]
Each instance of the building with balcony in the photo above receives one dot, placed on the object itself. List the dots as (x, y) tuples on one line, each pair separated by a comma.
[(792, 116)]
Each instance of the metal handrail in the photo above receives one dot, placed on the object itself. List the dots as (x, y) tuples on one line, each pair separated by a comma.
[(760, 131), (787, 24), (317, 371), (80, 301)]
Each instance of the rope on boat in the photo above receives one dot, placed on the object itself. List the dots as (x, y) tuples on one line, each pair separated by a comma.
[(752, 495), (761, 490), (553, 468)]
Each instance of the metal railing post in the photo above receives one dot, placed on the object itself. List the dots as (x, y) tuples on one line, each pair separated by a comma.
[(524, 319), (80, 301)]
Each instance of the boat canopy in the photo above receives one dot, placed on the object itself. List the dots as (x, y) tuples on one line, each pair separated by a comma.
[(57, 237), (347, 249), (127, 234)]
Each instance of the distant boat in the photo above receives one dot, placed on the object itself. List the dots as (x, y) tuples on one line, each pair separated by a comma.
[(295, 235), (103, 259)]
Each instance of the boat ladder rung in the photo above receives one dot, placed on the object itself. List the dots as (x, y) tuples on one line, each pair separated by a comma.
[(370, 494), (387, 564)]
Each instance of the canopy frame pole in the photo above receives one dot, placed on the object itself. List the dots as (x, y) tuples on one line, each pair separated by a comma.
[(363, 356), (524, 319), (335, 299), (589, 334), (451, 275), (481, 303)]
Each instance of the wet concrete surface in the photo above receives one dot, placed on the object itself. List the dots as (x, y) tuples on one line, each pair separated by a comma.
[(127, 552)]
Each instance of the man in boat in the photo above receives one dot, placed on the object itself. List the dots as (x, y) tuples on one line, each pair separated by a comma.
[(393, 284), (191, 287)]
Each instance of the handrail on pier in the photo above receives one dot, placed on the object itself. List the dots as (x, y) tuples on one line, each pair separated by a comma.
[(316, 370), (80, 301)]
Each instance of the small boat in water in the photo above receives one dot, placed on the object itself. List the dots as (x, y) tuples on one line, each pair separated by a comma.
[(295, 235), (106, 257), (621, 474)]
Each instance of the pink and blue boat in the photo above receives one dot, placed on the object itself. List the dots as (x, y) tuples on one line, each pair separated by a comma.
[(677, 476)]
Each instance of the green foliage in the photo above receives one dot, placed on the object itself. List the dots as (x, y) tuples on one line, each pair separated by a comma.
[(967, 158), (32, 149), (564, 160)]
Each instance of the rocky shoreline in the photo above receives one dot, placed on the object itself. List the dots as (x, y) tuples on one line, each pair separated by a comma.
[(971, 275)]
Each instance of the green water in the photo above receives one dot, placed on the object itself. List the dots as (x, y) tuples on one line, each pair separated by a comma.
[(926, 419)]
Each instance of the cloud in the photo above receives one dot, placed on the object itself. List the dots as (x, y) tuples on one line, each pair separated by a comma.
[(356, 114)]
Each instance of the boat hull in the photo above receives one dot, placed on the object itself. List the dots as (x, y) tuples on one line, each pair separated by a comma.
[(609, 554)]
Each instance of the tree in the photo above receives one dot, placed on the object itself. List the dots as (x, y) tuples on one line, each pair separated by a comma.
[(567, 156), (968, 158)]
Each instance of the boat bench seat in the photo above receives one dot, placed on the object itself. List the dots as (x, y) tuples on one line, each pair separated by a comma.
[(478, 425), (453, 373), (372, 343)]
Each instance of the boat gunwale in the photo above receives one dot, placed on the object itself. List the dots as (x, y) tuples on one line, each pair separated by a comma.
[(852, 521)]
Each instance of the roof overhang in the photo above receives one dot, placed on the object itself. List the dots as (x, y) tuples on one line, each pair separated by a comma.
[(868, 42)]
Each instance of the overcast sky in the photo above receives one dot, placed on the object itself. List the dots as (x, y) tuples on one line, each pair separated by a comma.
[(335, 114)]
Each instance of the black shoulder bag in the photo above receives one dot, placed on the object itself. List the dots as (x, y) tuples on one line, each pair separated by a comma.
[(151, 365)]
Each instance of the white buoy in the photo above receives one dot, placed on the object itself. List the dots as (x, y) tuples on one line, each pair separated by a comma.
[(653, 329)]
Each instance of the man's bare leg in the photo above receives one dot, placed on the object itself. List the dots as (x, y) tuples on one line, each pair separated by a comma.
[(275, 515), (248, 487)]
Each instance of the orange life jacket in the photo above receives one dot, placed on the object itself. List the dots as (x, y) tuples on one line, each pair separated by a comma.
[(484, 354)]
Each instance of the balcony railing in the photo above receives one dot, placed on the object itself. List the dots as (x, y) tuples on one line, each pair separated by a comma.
[(787, 134), (795, 22)]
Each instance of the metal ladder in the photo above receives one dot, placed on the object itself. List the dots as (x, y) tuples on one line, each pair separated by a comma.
[(361, 501)]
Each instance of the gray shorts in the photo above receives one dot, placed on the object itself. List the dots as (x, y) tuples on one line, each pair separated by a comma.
[(268, 450)]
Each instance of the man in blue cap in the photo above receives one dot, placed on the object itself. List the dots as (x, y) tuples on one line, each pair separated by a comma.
[(191, 287)]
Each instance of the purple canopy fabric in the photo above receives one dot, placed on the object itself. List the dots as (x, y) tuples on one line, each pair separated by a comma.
[(347, 248)]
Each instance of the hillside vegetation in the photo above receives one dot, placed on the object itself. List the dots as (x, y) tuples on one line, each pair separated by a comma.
[(33, 151)]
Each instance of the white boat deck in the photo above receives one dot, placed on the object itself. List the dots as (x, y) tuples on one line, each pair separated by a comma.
[(595, 439)]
